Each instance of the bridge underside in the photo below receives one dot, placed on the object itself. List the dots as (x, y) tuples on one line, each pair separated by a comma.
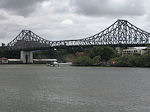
[(73, 46)]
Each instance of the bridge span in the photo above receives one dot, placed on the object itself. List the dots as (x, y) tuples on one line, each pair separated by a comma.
[(121, 33)]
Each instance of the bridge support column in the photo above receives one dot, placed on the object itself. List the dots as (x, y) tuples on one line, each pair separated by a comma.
[(26, 56)]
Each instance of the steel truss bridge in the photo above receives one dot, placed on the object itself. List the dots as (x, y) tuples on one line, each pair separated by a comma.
[(121, 33)]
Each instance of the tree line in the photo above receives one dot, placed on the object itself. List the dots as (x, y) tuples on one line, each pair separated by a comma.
[(108, 56), (131, 61), (98, 55), (94, 56)]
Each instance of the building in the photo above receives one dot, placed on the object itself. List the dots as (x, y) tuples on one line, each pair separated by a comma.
[(79, 53), (132, 51), (3, 60), (19, 61), (2, 44), (14, 61), (44, 61)]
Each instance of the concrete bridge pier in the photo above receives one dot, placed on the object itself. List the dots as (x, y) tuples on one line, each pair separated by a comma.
[(26, 57)]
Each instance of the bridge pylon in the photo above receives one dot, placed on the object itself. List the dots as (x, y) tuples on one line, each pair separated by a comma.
[(26, 57)]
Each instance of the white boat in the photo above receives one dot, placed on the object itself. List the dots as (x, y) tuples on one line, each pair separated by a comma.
[(53, 64)]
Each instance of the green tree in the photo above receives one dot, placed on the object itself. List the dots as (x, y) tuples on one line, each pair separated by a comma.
[(9, 54), (148, 45), (132, 61), (97, 60), (105, 52), (82, 60), (145, 60)]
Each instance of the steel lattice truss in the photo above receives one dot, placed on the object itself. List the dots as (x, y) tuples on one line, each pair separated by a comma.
[(120, 33)]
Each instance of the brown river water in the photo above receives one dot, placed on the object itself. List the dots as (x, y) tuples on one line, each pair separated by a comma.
[(38, 88)]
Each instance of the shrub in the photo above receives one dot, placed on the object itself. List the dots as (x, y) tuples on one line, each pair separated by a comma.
[(82, 60)]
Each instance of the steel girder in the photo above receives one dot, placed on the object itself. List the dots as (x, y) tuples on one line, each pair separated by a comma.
[(121, 32)]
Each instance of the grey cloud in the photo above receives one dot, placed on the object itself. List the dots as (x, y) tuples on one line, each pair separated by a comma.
[(108, 7), (61, 10), (2, 16), (20, 7), (46, 20), (6, 30), (61, 6)]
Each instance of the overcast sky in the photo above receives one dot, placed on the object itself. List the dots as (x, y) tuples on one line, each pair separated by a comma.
[(68, 19)]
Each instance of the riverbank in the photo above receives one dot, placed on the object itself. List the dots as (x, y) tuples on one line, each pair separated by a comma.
[(106, 56)]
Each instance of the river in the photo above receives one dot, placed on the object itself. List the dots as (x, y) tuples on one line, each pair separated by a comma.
[(38, 88)]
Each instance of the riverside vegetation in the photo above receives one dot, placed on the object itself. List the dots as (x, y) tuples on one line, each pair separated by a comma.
[(107, 56), (95, 56)]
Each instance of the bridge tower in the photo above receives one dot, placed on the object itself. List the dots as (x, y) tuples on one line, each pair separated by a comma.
[(26, 57)]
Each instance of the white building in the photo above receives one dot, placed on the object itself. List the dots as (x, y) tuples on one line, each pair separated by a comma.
[(44, 61), (132, 51)]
